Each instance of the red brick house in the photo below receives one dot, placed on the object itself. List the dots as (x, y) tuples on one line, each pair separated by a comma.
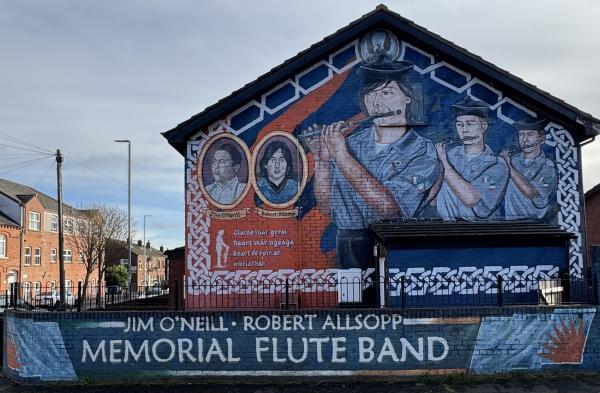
[(29, 241), (151, 273), (592, 221)]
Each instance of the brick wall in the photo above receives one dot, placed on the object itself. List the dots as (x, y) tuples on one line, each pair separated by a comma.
[(45, 347), (592, 219), (47, 271), (10, 264)]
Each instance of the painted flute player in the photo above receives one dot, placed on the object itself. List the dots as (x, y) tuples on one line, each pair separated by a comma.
[(475, 177), (380, 172)]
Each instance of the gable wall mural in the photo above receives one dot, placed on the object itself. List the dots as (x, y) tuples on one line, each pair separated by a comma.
[(287, 185)]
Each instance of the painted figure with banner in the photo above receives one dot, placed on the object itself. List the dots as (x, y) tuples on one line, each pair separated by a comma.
[(532, 175), (475, 178), (383, 171)]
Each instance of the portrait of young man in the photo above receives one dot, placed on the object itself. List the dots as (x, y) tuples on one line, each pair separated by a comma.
[(225, 165)]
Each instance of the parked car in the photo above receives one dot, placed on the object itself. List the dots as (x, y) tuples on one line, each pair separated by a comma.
[(114, 290), (51, 299), (154, 290)]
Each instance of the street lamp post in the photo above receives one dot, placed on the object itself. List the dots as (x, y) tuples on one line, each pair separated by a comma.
[(128, 208), (145, 260)]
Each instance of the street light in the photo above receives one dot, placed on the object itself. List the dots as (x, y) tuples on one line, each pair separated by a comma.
[(145, 260), (128, 207)]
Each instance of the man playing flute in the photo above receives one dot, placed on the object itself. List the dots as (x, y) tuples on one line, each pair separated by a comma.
[(384, 171)]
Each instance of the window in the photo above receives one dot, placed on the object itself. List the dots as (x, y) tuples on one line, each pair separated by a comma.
[(34, 221), (67, 256), (80, 257), (81, 227), (69, 286), (53, 255), (38, 256), (52, 286), (27, 256), (37, 289), (54, 223), (2, 246), (26, 290), (69, 225)]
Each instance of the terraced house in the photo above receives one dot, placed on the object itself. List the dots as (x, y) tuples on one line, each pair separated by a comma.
[(29, 241)]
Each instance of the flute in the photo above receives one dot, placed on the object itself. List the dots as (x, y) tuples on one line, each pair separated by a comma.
[(455, 141), (309, 134), (516, 150)]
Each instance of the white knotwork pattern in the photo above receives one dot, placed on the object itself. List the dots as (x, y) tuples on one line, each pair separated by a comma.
[(198, 222), (568, 192), (468, 280)]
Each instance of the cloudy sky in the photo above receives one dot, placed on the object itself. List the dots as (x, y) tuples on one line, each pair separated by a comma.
[(78, 74)]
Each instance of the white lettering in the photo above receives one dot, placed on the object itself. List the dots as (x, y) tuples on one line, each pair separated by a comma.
[(338, 348), (291, 352), (259, 348), (430, 344), (365, 349), (171, 354), (87, 351), (136, 356)]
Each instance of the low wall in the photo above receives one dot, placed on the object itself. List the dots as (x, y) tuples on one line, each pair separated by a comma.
[(118, 346)]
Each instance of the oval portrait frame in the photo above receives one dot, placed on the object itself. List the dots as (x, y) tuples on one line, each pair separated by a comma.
[(246, 153), (303, 158)]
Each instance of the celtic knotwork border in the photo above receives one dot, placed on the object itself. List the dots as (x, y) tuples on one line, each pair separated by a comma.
[(568, 192), (468, 280), (198, 222)]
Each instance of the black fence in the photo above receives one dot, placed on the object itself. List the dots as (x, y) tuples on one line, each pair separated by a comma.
[(400, 292)]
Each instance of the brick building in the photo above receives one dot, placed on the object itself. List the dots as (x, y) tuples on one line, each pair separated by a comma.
[(151, 273), (592, 224), (383, 152), (29, 241)]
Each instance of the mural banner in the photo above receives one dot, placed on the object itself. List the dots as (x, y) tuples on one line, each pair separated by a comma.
[(157, 345)]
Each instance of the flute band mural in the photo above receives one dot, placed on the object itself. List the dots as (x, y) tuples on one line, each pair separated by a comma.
[(381, 138)]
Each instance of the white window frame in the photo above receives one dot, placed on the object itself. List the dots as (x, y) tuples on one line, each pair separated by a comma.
[(67, 256), (68, 223), (37, 256), (27, 256), (37, 288), (54, 223), (53, 255), (35, 221), (26, 290), (2, 246)]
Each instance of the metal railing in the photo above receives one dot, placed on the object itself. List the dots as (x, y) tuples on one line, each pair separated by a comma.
[(401, 292)]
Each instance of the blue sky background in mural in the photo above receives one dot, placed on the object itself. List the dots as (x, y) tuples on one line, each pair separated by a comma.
[(78, 75)]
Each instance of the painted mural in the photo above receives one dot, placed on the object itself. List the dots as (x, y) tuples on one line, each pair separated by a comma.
[(165, 344), (287, 185)]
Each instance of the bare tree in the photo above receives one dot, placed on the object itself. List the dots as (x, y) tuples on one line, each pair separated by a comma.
[(99, 231)]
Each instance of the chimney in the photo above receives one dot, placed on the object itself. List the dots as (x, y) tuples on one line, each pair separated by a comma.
[(139, 243), (148, 244), (162, 249)]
